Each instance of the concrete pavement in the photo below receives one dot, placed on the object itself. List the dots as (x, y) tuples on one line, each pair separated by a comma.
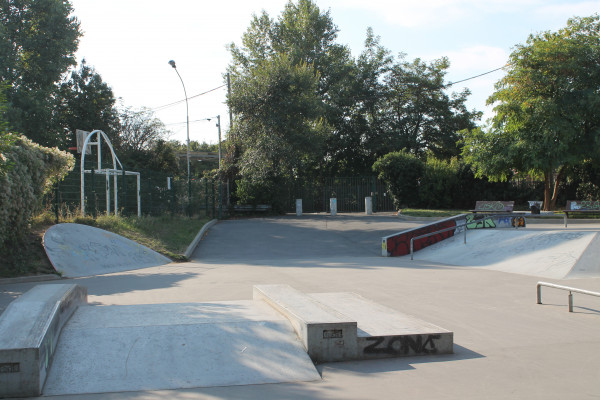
[(506, 346)]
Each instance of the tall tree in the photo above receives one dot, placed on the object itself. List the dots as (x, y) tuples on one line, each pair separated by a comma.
[(278, 120), (85, 101), (422, 117), (297, 71), (38, 40), (547, 108)]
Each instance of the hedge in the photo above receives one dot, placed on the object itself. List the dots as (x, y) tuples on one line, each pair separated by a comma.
[(32, 170)]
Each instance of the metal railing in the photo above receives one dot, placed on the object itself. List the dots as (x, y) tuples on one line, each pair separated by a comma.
[(412, 240), (571, 290)]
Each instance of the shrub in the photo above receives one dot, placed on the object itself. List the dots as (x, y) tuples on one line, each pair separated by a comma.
[(437, 188), (402, 173), (33, 170)]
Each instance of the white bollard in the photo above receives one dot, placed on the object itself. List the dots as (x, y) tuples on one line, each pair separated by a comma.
[(298, 207), (368, 205), (333, 206)]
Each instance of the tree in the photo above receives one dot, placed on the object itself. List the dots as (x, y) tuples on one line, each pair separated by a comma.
[(286, 86), (547, 109), (422, 117), (85, 102), (140, 129), (38, 40), (277, 118), (401, 171)]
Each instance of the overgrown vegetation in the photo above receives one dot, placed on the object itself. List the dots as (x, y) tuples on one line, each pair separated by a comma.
[(168, 235)]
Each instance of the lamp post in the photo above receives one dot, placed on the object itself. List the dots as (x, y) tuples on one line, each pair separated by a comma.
[(187, 114)]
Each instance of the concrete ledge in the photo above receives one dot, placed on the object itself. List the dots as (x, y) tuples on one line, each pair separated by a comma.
[(384, 332), (29, 330), (198, 238), (326, 334)]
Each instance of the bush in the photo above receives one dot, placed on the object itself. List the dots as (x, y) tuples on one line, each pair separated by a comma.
[(437, 187), (402, 173), (33, 170)]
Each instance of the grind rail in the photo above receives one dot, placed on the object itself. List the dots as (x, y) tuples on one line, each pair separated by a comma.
[(571, 290)]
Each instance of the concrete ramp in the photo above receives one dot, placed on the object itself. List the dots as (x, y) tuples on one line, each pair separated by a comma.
[(174, 346), (77, 250), (554, 254)]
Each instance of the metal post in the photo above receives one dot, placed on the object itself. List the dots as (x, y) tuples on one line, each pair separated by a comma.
[(95, 205), (570, 301), (220, 185), (187, 114), (57, 202), (139, 195), (539, 294), (123, 201)]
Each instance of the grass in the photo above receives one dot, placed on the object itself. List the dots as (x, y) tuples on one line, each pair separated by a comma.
[(418, 212), (168, 235)]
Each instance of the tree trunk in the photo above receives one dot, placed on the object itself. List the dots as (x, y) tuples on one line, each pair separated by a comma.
[(547, 185), (557, 181)]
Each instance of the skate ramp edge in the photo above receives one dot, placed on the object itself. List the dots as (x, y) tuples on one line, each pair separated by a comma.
[(587, 266), (398, 244), (346, 326), (29, 331)]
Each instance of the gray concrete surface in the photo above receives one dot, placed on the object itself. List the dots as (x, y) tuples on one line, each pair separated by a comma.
[(77, 250), (176, 346), (506, 346)]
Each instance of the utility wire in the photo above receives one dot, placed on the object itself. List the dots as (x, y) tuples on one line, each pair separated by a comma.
[(160, 108), (476, 76)]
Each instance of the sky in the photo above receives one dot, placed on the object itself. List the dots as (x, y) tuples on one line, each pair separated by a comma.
[(130, 42)]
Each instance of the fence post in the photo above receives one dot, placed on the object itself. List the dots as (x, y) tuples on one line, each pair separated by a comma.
[(123, 199), (374, 192), (212, 196), (94, 199), (206, 196), (57, 200)]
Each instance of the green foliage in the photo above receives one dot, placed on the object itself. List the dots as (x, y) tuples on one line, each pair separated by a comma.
[(422, 117), (86, 102), (38, 41), (6, 138), (277, 120), (438, 184), (402, 172), (361, 109), (34, 170), (547, 108)]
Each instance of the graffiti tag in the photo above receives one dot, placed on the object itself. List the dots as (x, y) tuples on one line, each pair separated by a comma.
[(403, 345)]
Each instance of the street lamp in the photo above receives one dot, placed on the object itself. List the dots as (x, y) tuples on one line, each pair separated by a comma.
[(187, 113)]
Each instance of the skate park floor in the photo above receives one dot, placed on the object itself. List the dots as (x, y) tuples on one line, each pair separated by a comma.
[(506, 345)]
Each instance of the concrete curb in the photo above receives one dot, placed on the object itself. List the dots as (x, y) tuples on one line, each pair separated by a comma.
[(27, 279), (198, 238)]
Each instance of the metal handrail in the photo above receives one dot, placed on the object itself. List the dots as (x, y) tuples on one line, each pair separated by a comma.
[(447, 229), (570, 289)]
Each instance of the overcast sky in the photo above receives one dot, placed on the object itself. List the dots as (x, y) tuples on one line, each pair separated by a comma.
[(130, 42)]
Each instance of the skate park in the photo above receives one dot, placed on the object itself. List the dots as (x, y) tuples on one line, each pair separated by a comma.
[(505, 345)]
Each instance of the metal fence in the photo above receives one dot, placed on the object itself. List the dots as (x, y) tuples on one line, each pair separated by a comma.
[(158, 194), (350, 193), (162, 194)]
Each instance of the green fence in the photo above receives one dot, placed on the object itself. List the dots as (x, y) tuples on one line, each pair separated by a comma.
[(350, 193), (161, 194), (158, 194)]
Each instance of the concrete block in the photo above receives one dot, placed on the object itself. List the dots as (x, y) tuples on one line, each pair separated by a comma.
[(29, 330), (326, 334), (384, 332)]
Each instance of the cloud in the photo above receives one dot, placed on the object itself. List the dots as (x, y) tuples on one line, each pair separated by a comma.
[(410, 13)]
